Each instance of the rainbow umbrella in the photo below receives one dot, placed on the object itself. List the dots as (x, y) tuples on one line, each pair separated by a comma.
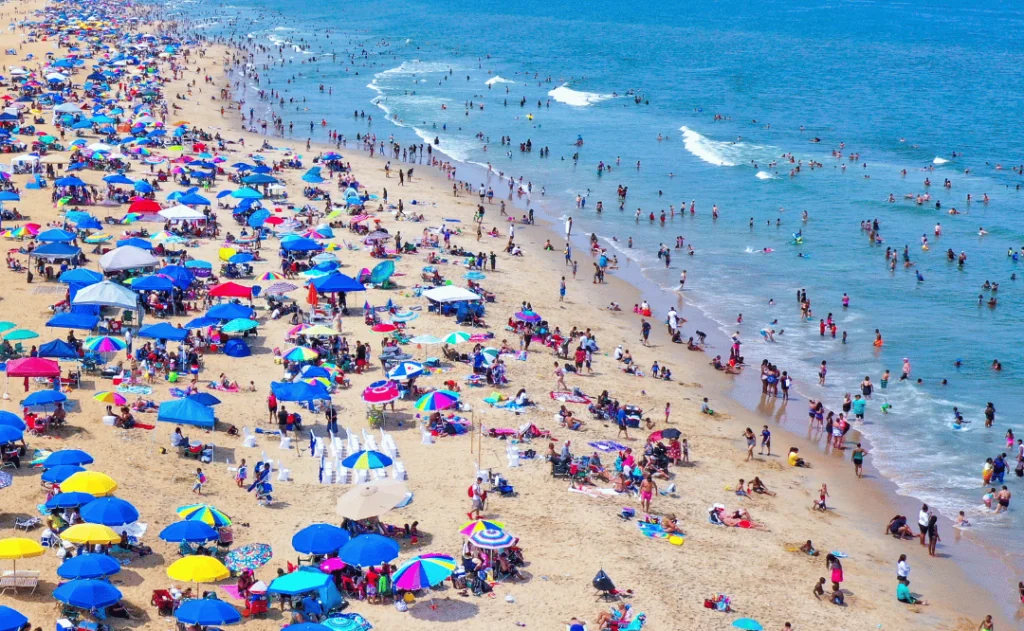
[(437, 400), (206, 514), (299, 328), (323, 381), (111, 398), (269, 276), (301, 354), (104, 344), (98, 238), (456, 337), (366, 460), (380, 392), (423, 571), (477, 525), (492, 539)]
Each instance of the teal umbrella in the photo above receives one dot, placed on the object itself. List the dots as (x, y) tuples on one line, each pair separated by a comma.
[(20, 334), (238, 325), (748, 624)]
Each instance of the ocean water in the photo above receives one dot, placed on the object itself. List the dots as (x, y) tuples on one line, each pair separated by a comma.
[(732, 90)]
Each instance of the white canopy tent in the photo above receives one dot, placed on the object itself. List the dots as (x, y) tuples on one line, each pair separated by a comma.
[(127, 257), (107, 294), (450, 293), (181, 212)]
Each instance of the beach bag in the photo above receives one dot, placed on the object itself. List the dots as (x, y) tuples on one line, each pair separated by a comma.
[(470, 492)]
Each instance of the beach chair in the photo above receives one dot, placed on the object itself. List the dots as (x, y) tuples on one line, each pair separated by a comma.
[(26, 523), (249, 439), (283, 475), (399, 472), (19, 579)]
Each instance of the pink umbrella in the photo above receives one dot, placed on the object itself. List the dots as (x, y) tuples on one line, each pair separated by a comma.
[(331, 565), (384, 327), (380, 392)]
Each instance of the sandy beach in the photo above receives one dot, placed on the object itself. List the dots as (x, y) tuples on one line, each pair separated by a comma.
[(567, 536)]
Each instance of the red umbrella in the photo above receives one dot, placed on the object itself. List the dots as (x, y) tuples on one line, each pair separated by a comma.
[(231, 290), (313, 298), (274, 221), (144, 206), (384, 327), (381, 392)]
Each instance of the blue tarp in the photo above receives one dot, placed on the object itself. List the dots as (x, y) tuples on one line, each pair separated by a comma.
[(58, 349), (163, 331), (298, 391), (186, 412), (73, 320)]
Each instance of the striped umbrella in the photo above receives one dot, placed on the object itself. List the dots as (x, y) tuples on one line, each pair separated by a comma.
[(265, 276), (456, 337), (437, 400), (490, 355), (301, 354), (477, 525), (380, 392), (366, 460), (104, 344), (248, 557), (204, 513), (405, 316), (423, 571), (492, 539), (278, 289), (426, 340), (111, 398), (295, 330), (527, 316), (405, 371)]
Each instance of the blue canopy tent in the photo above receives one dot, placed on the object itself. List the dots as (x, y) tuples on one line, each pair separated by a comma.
[(55, 250), (335, 283), (307, 579), (153, 282), (59, 349), (137, 242), (81, 276), (237, 348), (55, 235), (182, 277), (163, 331), (73, 320), (230, 311), (259, 178), (186, 412)]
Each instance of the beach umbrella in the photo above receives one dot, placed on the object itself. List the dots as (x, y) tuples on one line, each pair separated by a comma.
[(371, 499), (278, 289), (198, 569), (72, 499), (527, 316), (437, 400), (405, 371), (298, 328), (248, 557), (369, 550), (405, 316), (477, 525), (11, 620), (110, 511), (492, 539), (9, 434), (384, 327), (204, 513), (14, 548), (190, 531), (668, 434), (380, 392), (91, 482), (58, 474), (7, 326), (426, 340), (104, 344), (456, 337), (319, 539), (301, 354), (111, 398), (320, 331), (67, 457), (367, 460), (43, 397), (206, 612), (266, 276), (88, 593), (423, 571), (11, 420), (90, 534), (748, 624), (239, 325), (88, 566), (20, 334), (490, 355)]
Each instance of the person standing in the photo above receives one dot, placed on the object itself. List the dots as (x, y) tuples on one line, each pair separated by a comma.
[(922, 522), (748, 434), (561, 290), (933, 532), (272, 406), (478, 496), (560, 378), (647, 490), (766, 440), (645, 331), (858, 460), (199, 481)]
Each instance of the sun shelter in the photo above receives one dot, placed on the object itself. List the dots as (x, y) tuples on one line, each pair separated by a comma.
[(108, 294), (449, 294), (127, 257), (186, 412)]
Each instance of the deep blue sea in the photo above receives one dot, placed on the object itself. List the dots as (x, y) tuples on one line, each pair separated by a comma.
[(933, 89)]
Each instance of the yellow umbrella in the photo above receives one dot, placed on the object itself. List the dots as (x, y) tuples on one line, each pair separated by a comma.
[(226, 253), (90, 533), (15, 548), (91, 482), (318, 330), (198, 569)]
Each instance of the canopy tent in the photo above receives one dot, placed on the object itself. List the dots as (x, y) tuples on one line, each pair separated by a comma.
[(73, 320), (231, 290), (58, 349), (127, 257), (33, 367), (450, 293), (186, 412), (107, 294), (80, 276), (230, 311), (334, 283), (55, 250), (164, 331)]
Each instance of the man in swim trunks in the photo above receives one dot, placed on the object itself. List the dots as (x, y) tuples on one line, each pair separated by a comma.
[(1003, 498), (647, 490)]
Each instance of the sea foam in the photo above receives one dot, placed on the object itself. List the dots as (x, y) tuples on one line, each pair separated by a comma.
[(497, 79), (565, 94)]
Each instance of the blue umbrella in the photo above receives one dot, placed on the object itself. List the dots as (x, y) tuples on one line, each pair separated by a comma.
[(68, 500), (230, 311), (205, 398), (193, 199), (87, 593), (67, 457), (137, 242), (142, 186), (88, 566), (61, 473), (44, 397), (368, 550), (11, 420), (201, 322), (110, 511), (748, 624), (189, 530), (207, 612), (319, 539), (241, 257), (11, 620), (9, 434), (246, 193)]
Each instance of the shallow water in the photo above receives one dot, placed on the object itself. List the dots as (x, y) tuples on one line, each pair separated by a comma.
[(903, 85)]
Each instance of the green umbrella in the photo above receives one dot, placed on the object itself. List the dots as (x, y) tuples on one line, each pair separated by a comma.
[(47, 140), (457, 337), (21, 334)]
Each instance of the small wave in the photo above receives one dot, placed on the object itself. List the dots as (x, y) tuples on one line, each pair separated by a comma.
[(723, 154), (414, 67), (939, 160), (764, 175), (565, 94), (497, 79)]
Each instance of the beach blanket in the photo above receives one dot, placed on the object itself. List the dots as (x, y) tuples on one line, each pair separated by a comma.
[(347, 622), (591, 491), (220, 388), (655, 531), (570, 397), (232, 590), (607, 446), (178, 393), (127, 389)]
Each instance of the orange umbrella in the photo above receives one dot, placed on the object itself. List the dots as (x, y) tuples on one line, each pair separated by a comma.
[(313, 298)]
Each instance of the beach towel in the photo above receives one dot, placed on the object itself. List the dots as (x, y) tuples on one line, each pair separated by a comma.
[(569, 397), (655, 531), (178, 393), (521, 356), (141, 390), (607, 446), (591, 491), (145, 426), (220, 388), (232, 590), (347, 622)]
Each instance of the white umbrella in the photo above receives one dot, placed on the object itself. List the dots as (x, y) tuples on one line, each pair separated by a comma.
[(371, 499), (181, 212)]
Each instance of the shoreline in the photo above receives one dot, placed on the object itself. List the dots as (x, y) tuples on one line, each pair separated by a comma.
[(880, 492)]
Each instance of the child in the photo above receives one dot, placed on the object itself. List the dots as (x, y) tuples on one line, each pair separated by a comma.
[(686, 452), (820, 502), (668, 412), (705, 408), (200, 480), (961, 520), (766, 440), (242, 474)]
